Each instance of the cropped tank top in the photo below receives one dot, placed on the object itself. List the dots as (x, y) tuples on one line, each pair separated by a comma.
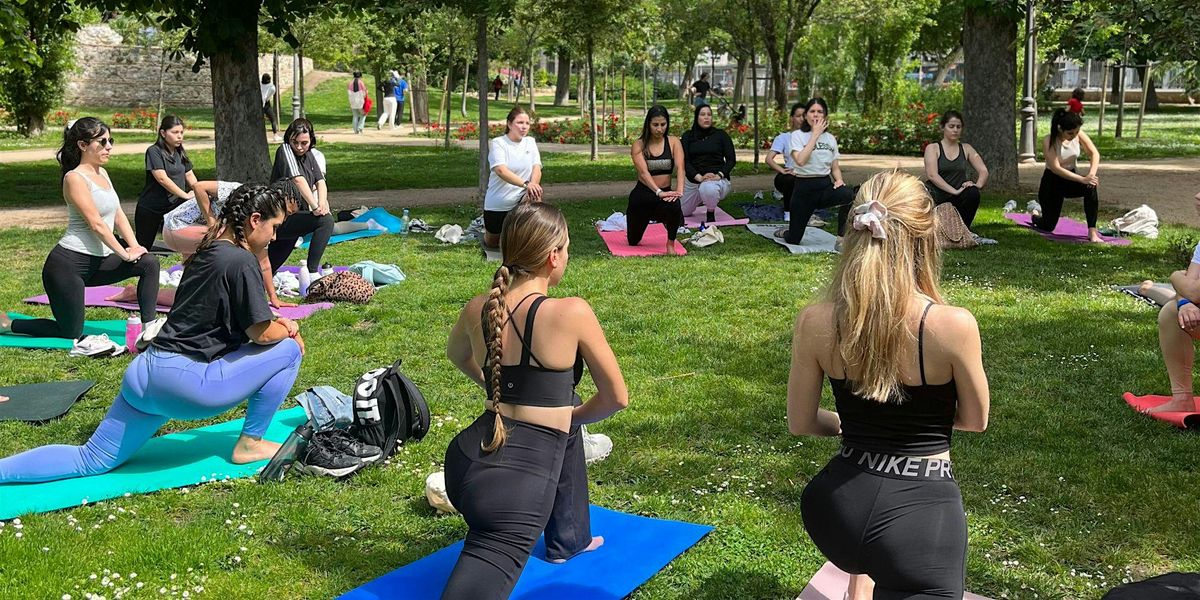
[(527, 385), (663, 164), (1068, 153), (918, 424), (79, 235)]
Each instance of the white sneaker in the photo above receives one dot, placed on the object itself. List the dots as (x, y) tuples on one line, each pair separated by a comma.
[(1010, 206), (1034, 208), (596, 446), (96, 346), (149, 332), (435, 493)]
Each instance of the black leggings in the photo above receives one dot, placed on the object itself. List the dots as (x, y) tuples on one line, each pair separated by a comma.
[(67, 272), (965, 202), (897, 519), (293, 228), (644, 206), (269, 113), (810, 194), (148, 223), (784, 184), (1051, 193), (536, 481)]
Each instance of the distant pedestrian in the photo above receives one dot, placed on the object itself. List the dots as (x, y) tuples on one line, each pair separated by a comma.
[(356, 93), (268, 100), (1075, 102), (401, 90), (387, 112), (497, 85)]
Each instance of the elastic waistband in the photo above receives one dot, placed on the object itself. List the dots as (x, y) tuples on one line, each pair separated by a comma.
[(825, 176), (898, 467), (488, 418)]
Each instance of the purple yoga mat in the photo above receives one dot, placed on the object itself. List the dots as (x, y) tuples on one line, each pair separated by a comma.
[(95, 296), (1068, 230), (293, 269)]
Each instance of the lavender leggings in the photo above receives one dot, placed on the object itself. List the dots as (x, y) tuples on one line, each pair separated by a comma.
[(159, 386)]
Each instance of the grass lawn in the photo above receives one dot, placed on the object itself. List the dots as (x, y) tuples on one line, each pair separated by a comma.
[(1068, 493), (1172, 132), (53, 137)]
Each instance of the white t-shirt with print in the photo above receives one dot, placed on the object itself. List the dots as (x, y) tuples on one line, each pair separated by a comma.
[(820, 162), (520, 158), (783, 145)]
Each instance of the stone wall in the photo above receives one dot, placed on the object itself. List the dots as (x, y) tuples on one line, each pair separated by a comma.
[(111, 74)]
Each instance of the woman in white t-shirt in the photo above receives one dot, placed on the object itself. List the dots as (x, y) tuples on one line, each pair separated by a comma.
[(782, 146), (818, 177), (516, 167)]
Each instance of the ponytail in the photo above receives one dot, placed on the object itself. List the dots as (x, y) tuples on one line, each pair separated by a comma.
[(497, 318), (1063, 120), (85, 130), (246, 200)]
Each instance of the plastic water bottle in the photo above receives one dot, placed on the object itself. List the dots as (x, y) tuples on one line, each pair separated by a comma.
[(133, 330), (304, 277), (404, 221), (293, 447)]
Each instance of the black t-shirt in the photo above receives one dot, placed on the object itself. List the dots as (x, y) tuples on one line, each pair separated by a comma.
[(154, 195), (389, 87), (221, 294), (702, 88), (288, 165)]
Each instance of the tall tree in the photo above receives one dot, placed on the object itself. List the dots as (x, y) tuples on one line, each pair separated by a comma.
[(782, 23), (940, 38), (35, 53), (990, 85)]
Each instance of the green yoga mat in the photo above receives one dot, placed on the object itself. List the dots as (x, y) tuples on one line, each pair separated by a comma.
[(169, 461), (114, 328)]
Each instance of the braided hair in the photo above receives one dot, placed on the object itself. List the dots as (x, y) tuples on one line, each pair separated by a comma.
[(85, 130), (530, 232), (268, 201)]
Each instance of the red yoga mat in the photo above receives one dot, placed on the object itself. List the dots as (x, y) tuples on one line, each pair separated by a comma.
[(830, 583), (1182, 420), (654, 242)]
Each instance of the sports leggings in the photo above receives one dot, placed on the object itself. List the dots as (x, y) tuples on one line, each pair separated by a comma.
[(65, 274), (644, 206), (293, 228), (965, 202), (897, 519), (159, 386), (811, 193), (784, 183), (1051, 193), (536, 481)]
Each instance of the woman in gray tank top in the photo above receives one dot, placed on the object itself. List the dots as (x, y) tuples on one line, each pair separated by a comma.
[(946, 169)]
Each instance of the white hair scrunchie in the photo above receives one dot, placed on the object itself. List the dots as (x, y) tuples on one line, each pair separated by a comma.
[(870, 215)]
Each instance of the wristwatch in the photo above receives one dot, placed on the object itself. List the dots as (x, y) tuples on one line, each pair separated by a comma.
[(526, 184)]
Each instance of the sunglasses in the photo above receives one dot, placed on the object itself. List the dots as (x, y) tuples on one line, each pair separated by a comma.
[(106, 141)]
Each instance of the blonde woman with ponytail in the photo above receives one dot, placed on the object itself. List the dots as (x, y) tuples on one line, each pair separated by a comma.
[(905, 370), (519, 468)]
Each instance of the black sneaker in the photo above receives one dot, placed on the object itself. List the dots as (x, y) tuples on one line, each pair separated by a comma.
[(342, 441), (321, 458)]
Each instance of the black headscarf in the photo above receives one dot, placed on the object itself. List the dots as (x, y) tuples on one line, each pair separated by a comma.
[(699, 132)]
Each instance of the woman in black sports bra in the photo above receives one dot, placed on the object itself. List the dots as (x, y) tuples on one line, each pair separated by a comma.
[(656, 155), (905, 370), (519, 468)]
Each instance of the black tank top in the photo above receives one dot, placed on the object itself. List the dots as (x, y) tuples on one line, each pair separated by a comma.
[(663, 164), (919, 424), (953, 172), (528, 385)]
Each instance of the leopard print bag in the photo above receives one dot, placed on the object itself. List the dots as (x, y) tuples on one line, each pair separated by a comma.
[(345, 286)]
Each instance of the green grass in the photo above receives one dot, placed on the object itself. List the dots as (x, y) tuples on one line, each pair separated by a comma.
[(52, 139), (1173, 132), (1067, 493)]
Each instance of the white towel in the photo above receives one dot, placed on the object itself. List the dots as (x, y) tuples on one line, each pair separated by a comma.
[(615, 222)]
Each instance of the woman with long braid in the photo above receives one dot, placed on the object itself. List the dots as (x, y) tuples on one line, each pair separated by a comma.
[(220, 346), (519, 469)]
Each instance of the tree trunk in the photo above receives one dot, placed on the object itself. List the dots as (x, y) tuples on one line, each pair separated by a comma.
[(944, 66), (1152, 96), (686, 85), (303, 107), (591, 67), (419, 90), (778, 85), (449, 95), (989, 90), (466, 79), (237, 112), (481, 79), (739, 82), (579, 94), (645, 92), (872, 96), (529, 76), (562, 85)]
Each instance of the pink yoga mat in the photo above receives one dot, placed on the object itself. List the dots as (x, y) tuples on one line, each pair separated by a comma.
[(1182, 420), (723, 218), (654, 242), (1068, 230), (95, 296), (830, 584)]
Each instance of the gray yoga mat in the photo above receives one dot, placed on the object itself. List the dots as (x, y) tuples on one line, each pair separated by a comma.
[(1132, 290), (815, 240), (41, 401)]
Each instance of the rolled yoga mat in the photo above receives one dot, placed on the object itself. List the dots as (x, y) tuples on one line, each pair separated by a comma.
[(1182, 420), (95, 296), (1068, 230), (815, 240), (38, 402), (654, 242), (635, 548), (829, 583), (115, 329), (723, 218), (175, 460)]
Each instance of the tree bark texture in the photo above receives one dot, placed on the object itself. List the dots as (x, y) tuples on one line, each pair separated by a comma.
[(739, 82), (237, 112), (562, 84), (990, 91), (591, 67), (482, 82)]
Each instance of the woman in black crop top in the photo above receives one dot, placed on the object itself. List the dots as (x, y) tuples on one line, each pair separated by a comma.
[(519, 469), (656, 155), (886, 507)]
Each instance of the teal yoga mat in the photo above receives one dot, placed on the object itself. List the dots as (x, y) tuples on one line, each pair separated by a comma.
[(169, 461), (114, 328)]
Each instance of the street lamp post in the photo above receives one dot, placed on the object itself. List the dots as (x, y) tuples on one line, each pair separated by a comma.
[(295, 86), (1028, 153)]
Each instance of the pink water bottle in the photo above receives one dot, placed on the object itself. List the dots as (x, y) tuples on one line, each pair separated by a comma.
[(133, 330)]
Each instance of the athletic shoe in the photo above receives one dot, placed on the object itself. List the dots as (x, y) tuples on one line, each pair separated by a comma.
[(1034, 208), (96, 346), (149, 332), (596, 446), (1010, 206), (344, 442), (815, 221), (321, 458)]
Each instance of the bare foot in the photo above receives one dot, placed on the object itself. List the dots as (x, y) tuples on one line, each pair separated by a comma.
[(597, 541), (671, 247), (1145, 286), (1094, 236), (127, 294), (3, 398), (5, 323), (1174, 405), (861, 587), (248, 450)]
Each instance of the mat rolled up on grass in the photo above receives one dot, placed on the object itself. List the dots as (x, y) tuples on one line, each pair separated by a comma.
[(829, 583), (1158, 296), (1068, 230), (114, 329), (815, 240), (635, 548), (37, 402), (654, 242), (169, 461), (723, 218), (1182, 419)]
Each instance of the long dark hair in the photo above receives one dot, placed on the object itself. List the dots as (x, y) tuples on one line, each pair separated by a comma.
[(807, 105), (697, 130), (85, 129), (1063, 120), (250, 198), (655, 111), (169, 122)]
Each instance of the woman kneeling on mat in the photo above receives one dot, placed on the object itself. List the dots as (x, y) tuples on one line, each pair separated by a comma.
[(88, 254), (516, 174), (656, 155), (219, 347), (519, 469), (947, 177), (1062, 148), (709, 158), (905, 369), (818, 175)]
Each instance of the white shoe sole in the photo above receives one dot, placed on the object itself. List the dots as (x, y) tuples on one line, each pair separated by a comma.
[(327, 472)]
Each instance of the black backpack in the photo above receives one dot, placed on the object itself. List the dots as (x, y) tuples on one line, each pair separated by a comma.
[(388, 409), (1172, 586)]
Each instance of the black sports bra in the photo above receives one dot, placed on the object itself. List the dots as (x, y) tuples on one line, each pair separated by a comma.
[(527, 385), (663, 164)]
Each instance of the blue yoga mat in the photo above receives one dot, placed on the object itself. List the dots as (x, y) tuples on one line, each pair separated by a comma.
[(635, 548), (381, 216), (169, 461)]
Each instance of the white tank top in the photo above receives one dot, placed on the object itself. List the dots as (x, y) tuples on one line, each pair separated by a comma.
[(79, 236), (1068, 153)]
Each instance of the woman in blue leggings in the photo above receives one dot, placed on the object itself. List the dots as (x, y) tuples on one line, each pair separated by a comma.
[(220, 346)]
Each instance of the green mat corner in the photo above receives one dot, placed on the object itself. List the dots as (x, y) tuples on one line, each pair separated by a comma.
[(114, 328)]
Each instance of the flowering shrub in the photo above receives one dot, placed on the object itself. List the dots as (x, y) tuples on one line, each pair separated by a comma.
[(906, 131), (59, 118), (140, 118)]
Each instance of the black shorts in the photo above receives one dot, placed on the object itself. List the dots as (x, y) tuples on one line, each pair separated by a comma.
[(493, 221)]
